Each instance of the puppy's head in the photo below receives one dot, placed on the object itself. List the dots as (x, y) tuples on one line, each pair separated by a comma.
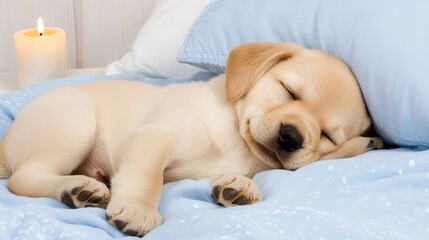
[(296, 105)]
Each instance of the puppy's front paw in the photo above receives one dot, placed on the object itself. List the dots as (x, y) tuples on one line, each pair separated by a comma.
[(235, 190), (132, 218), (375, 143)]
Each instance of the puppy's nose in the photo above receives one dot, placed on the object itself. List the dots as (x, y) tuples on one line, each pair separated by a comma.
[(290, 139)]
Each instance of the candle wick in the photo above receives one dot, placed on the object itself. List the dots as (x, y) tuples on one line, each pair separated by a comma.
[(40, 34)]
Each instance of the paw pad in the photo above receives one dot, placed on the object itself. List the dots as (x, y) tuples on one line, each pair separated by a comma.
[(229, 193), (230, 196), (89, 195), (234, 189)]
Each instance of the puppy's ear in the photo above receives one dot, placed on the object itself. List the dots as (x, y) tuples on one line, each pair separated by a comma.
[(248, 62)]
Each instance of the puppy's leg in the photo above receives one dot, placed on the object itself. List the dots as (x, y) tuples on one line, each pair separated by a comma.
[(235, 189), (136, 187), (43, 177), (46, 142), (356, 146)]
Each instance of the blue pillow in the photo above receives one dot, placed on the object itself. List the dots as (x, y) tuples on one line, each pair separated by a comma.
[(386, 44)]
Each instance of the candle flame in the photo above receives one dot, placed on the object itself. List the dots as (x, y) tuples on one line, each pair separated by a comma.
[(40, 28)]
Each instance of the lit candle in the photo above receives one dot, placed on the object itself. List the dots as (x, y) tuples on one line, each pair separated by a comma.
[(40, 54)]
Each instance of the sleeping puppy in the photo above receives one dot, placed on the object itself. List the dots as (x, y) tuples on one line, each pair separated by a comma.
[(278, 106)]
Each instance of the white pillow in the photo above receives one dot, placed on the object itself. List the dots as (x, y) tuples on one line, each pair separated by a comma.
[(158, 42)]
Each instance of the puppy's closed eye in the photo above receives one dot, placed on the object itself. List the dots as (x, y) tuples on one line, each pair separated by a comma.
[(289, 91)]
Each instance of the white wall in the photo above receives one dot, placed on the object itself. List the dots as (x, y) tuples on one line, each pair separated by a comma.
[(98, 31)]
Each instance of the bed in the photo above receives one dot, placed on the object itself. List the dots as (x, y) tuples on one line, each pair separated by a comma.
[(382, 194)]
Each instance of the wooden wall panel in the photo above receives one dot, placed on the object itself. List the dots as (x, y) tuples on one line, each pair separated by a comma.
[(105, 34)]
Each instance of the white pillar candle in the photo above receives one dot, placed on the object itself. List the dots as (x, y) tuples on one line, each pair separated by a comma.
[(40, 54)]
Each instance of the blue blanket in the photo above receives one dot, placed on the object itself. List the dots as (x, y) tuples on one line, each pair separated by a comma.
[(382, 194)]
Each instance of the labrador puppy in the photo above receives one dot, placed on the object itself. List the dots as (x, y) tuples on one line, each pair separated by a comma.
[(113, 144)]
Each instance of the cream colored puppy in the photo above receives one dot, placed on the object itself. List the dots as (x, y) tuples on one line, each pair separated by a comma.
[(278, 106)]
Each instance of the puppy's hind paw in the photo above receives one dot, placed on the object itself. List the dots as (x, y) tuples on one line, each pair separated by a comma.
[(88, 194)]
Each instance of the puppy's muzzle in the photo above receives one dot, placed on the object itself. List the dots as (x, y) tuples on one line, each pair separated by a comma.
[(290, 139)]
